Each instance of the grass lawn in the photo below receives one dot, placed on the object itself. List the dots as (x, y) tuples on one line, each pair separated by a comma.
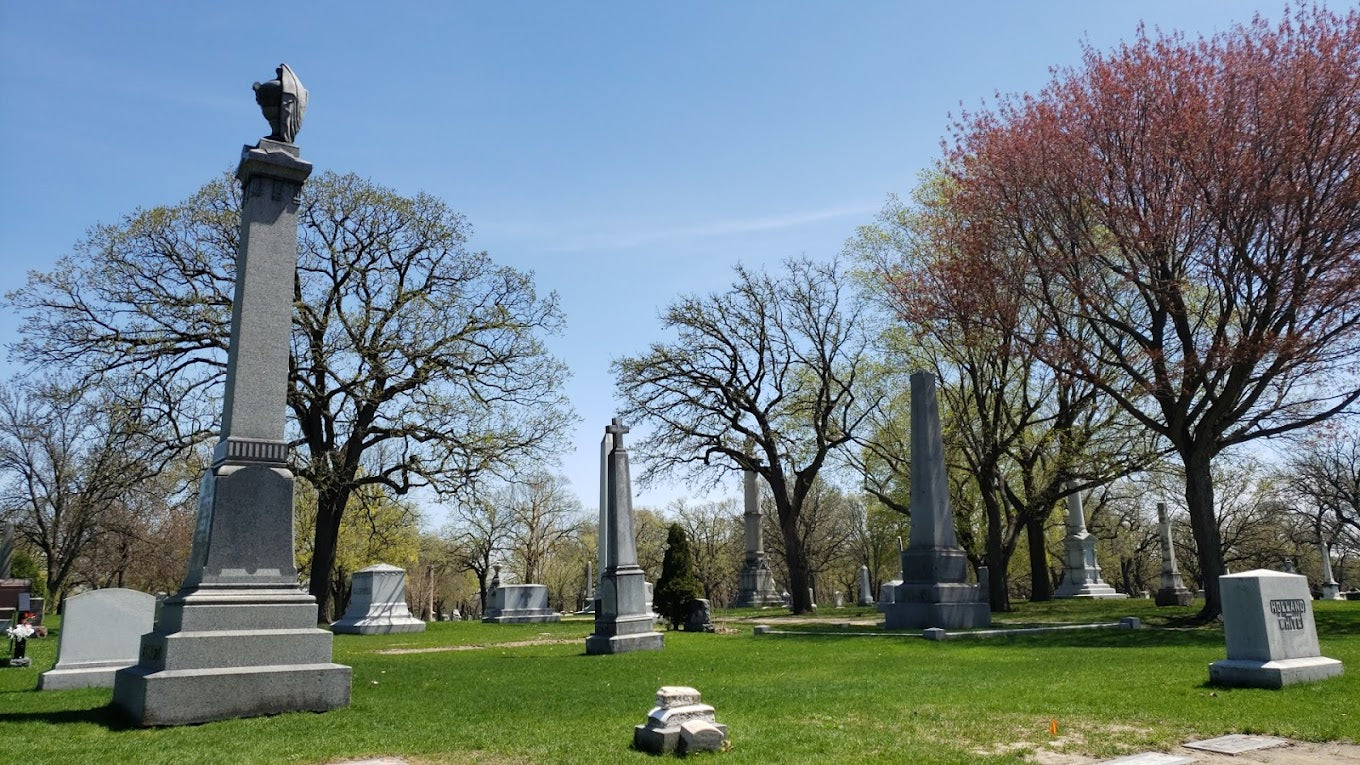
[(835, 697)]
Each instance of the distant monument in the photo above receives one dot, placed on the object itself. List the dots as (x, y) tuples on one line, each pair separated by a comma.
[(934, 591), (1081, 573), (240, 638), (517, 603), (866, 593), (377, 603), (623, 619), (756, 585), (1173, 591), (1330, 589)]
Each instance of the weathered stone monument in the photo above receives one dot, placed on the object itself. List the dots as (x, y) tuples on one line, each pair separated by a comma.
[(1081, 573), (377, 603), (101, 633), (1172, 591), (679, 723), (240, 637), (934, 591), (623, 618), (517, 603), (1269, 629), (866, 593), (700, 616), (755, 587), (1331, 590)]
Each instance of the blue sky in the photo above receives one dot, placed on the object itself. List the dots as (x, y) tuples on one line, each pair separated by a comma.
[(624, 152)]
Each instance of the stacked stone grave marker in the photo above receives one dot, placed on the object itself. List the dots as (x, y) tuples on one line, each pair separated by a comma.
[(1172, 591), (935, 591), (240, 637), (377, 603), (679, 722), (623, 618), (1081, 573), (1270, 634), (101, 633), (1331, 590), (755, 588)]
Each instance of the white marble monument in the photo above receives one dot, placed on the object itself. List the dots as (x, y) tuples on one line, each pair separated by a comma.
[(755, 588), (1269, 629), (518, 603), (1172, 591), (377, 603), (1081, 573)]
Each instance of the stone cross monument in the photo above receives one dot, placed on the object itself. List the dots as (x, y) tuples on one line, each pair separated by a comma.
[(240, 637), (1172, 591), (1081, 573), (623, 619), (755, 587), (934, 591)]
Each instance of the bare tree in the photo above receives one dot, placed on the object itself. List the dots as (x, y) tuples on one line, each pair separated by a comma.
[(714, 530), (544, 514), (774, 361), (415, 362)]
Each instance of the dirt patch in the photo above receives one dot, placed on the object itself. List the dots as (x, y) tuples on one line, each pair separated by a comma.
[(1293, 753), (479, 647)]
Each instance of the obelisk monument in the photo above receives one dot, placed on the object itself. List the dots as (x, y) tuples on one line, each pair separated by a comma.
[(934, 591), (755, 587), (240, 638), (1331, 590), (623, 619), (1081, 573), (1172, 591)]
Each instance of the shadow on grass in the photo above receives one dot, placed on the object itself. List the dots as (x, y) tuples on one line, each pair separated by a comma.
[(105, 716), (1109, 637)]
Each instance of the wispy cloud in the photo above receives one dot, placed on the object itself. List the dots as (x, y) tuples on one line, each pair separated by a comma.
[(582, 236)]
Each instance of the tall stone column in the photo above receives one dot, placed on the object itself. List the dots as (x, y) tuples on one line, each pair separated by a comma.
[(1172, 591), (934, 591), (623, 618), (755, 588), (1330, 589), (1081, 573), (240, 637)]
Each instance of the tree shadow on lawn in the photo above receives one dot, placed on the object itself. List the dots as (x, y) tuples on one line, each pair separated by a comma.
[(1110, 637), (106, 716)]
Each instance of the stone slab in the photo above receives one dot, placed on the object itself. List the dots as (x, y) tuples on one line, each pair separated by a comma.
[(1246, 673), (1149, 758), (701, 736), (101, 632), (597, 645), (1236, 743), (186, 697)]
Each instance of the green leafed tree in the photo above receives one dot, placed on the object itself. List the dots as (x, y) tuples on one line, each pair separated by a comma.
[(678, 585), (416, 362)]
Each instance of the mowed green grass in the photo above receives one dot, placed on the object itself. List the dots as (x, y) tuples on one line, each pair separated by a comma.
[(819, 698)]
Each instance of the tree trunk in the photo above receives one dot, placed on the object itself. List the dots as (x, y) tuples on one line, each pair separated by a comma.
[(997, 561), (328, 513), (1199, 500), (799, 580), (1041, 582)]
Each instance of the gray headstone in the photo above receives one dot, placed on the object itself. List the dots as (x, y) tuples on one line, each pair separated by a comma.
[(377, 603), (240, 638), (101, 632), (623, 618), (519, 604), (700, 617), (1270, 634), (935, 591)]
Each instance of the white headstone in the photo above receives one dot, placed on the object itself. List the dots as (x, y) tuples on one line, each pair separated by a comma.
[(101, 632), (377, 603), (1269, 630)]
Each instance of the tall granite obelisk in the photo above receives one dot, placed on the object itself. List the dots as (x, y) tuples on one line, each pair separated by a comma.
[(1172, 591), (934, 591), (623, 618), (1081, 573), (755, 587), (240, 637)]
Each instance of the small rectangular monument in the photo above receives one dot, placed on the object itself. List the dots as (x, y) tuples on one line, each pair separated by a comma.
[(240, 638), (1268, 626), (377, 603), (934, 591), (518, 603), (623, 618), (101, 632)]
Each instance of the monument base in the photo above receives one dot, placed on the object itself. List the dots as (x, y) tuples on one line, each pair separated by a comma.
[(377, 625), (605, 644), (904, 616), (523, 616), (756, 588), (1180, 597), (1092, 590), (1332, 591), (1244, 673), (185, 697), (219, 653), (89, 675)]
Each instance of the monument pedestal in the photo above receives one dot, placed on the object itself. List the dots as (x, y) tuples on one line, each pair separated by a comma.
[(756, 586), (1081, 573), (1270, 633), (377, 604)]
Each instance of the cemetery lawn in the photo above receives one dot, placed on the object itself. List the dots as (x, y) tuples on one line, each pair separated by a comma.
[(472, 693)]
